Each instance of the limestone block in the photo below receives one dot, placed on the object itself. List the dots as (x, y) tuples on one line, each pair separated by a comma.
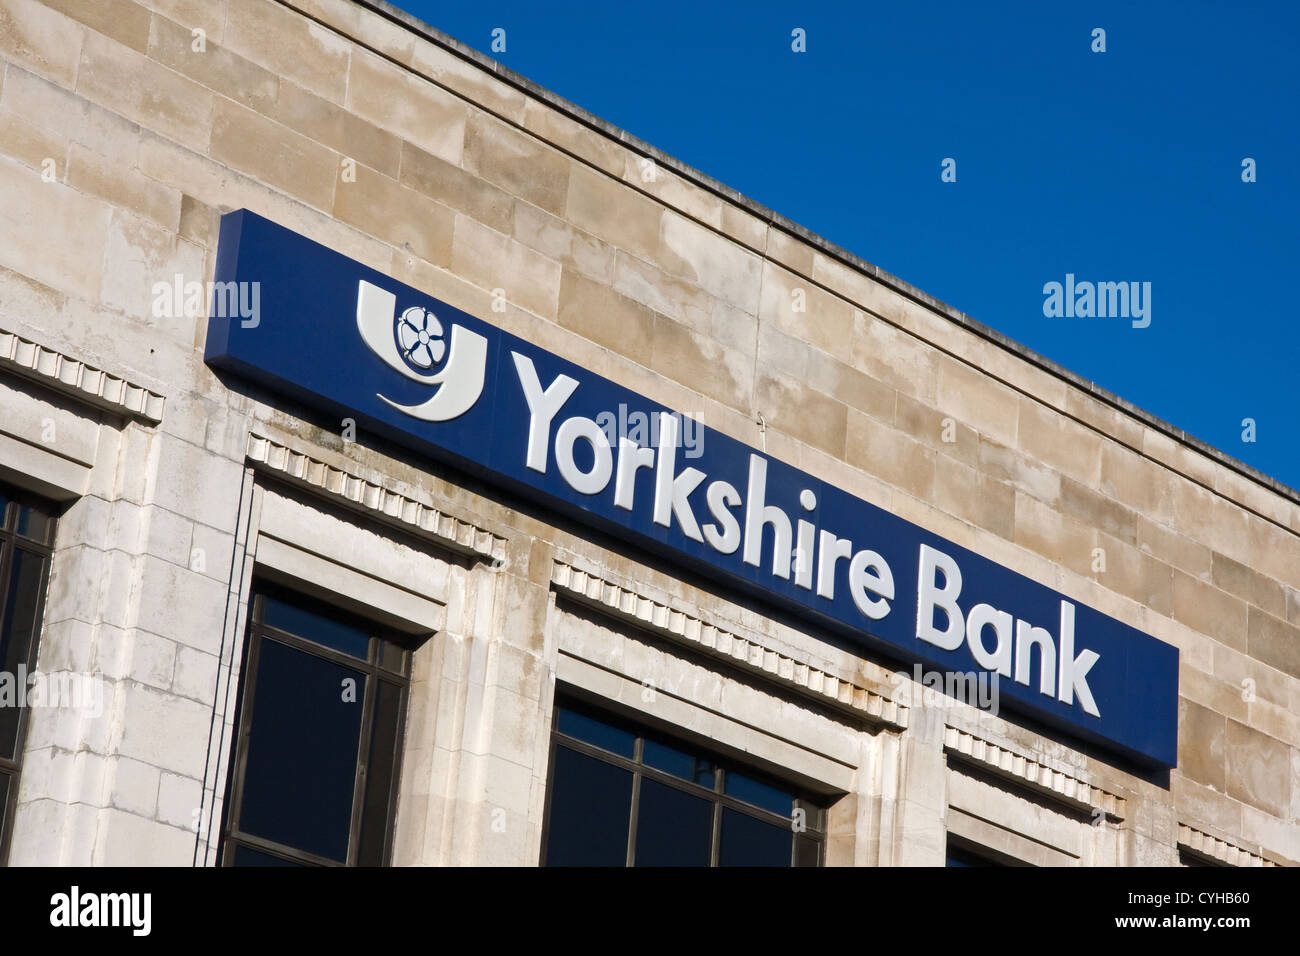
[(289, 45), (41, 39)]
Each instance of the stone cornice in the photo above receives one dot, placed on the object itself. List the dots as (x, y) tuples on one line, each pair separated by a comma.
[(1019, 768), (355, 492), (748, 651), (1218, 849), (70, 376)]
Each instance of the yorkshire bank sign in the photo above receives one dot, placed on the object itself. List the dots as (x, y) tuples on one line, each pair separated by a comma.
[(345, 338)]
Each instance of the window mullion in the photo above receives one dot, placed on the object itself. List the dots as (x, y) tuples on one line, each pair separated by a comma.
[(6, 560), (363, 761), (637, 752), (715, 848), (244, 725)]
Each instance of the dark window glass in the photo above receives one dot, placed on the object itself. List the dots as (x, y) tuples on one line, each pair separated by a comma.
[(591, 803), (24, 575), (381, 773), (760, 794), (673, 827), (814, 816), (323, 630), (247, 856), (314, 772), (807, 852), (600, 734), (27, 571), (34, 523), (749, 841), (679, 764), (958, 857), (612, 785), (393, 657), (302, 751), (5, 780)]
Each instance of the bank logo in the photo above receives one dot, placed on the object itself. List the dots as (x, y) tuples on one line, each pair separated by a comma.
[(419, 333), (413, 345)]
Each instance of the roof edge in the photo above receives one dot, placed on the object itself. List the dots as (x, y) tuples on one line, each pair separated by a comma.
[(770, 216)]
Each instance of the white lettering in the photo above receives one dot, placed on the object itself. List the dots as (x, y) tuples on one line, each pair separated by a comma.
[(757, 514), (830, 549), (585, 483), (673, 491), (930, 596), (980, 617), (870, 574), (542, 408), (1073, 674), (631, 457), (1027, 637), (724, 535)]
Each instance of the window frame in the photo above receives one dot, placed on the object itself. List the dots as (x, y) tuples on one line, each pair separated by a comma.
[(975, 855), (256, 631), (10, 541), (1190, 858), (640, 770)]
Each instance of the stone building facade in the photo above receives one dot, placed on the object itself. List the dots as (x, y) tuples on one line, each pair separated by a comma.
[(177, 494)]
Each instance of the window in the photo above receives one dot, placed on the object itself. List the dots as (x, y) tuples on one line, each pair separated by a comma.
[(26, 535), (960, 856), (1189, 857), (623, 796), (313, 776)]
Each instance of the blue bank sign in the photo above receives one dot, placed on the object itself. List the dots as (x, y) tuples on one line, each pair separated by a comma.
[(350, 340)]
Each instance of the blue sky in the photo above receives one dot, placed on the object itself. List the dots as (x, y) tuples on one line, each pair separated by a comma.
[(1116, 166)]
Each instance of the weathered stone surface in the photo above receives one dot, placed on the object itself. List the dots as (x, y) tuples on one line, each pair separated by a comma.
[(805, 312), (145, 92), (612, 212), (97, 175), (51, 232), (1202, 744), (495, 261), (406, 105), (31, 145), (395, 214), (701, 363), (42, 40), (290, 45), (884, 453), (274, 154), (212, 65), (602, 315), (1214, 613), (1258, 769), (970, 396), (520, 164)]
